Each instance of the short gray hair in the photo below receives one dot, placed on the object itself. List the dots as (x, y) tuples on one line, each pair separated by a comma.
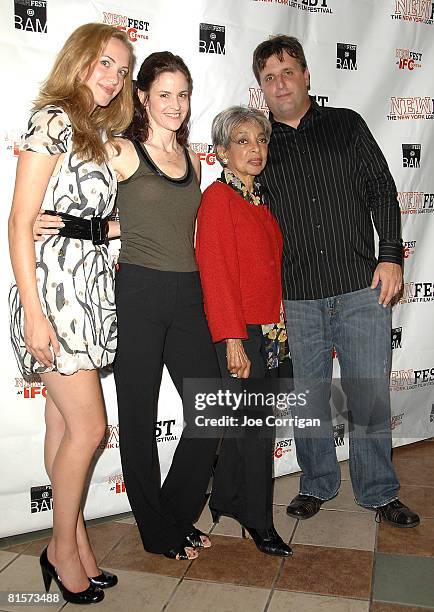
[(226, 121)]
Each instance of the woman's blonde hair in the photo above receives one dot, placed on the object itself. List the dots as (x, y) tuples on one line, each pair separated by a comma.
[(65, 87)]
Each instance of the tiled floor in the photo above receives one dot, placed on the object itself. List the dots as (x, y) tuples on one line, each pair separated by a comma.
[(343, 560)]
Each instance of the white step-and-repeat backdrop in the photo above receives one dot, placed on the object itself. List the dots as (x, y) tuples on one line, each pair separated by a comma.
[(375, 56)]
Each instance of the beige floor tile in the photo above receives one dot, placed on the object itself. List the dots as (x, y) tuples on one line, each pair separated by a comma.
[(283, 523), (5, 558), (129, 520), (136, 592), (344, 500), (338, 529), (345, 470), (205, 520), (227, 526), (285, 601), (285, 488), (195, 596), (24, 575)]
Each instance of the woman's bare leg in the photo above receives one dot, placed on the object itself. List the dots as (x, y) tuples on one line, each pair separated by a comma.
[(79, 400), (54, 432)]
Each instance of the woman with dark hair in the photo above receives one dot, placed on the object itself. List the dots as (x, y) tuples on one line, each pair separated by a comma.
[(159, 306), (63, 319)]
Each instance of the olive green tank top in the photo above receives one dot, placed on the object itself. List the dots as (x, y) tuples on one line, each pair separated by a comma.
[(157, 214)]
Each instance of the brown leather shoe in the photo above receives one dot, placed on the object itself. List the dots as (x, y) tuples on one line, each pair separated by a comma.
[(397, 514), (304, 506)]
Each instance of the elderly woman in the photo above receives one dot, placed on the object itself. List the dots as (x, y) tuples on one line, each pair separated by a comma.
[(238, 250)]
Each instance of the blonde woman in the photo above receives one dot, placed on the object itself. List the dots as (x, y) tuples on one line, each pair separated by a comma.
[(63, 320)]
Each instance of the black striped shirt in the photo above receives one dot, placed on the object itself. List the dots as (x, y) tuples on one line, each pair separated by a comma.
[(325, 182)]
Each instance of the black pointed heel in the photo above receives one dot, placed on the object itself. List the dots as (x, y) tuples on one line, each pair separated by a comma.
[(104, 580), (90, 595), (179, 553), (267, 541), (195, 538)]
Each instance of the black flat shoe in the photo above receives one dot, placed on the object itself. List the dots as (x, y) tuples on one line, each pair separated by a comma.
[(104, 580), (267, 541), (397, 514), (195, 539), (180, 553), (304, 506), (90, 595)]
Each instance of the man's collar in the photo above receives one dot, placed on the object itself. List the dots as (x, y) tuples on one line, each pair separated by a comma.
[(313, 110)]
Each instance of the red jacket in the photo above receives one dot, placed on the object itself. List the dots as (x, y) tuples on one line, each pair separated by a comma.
[(239, 253)]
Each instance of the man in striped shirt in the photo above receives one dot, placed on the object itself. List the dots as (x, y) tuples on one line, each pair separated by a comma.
[(328, 183)]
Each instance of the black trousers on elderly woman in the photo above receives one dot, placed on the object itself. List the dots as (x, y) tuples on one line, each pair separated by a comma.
[(242, 485)]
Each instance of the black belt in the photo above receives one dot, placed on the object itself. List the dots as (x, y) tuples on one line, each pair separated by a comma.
[(95, 229)]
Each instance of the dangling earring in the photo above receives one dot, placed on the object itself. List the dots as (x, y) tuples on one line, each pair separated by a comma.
[(224, 161)]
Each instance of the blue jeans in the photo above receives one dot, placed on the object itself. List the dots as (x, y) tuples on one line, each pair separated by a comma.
[(360, 330)]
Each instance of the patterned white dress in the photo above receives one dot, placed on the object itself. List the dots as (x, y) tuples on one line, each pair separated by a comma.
[(75, 278)]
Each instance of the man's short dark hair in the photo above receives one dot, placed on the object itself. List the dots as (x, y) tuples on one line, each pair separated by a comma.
[(277, 45)]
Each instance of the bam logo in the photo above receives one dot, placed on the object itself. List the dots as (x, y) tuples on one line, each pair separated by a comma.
[(41, 499), (117, 483), (411, 155), (396, 337), (346, 56), (134, 28), (420, 11), (411, 108), (415, 202), (212, 39), (31, 16), (339, 434), (408, 60)]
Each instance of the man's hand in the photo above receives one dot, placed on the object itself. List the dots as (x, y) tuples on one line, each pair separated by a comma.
[(390, 277)]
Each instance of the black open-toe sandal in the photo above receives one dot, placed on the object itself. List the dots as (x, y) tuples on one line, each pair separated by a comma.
[(195, 538), (179, 553)]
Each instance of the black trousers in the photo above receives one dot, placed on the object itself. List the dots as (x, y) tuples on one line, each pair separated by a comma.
[(161, 321), (242, 484)]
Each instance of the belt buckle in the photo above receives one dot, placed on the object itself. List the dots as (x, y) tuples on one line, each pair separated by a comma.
[(96, 231)]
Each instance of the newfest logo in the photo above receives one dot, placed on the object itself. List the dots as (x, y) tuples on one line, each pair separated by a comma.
[(30, 389), (313, 6), (396, 338), (41, 499), (163, 431), (117, 484), (405, 380), (136, 29), (396, 420), (417, 292), (111, 437), (411, 155), (411, 108), (257, 100), (420, 11), (282, 447), (408, 60), (431, 416), (212, 39), (346, 56), (204, 151), (415, 202), (339, 434), (408, 248), (31, 16)]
